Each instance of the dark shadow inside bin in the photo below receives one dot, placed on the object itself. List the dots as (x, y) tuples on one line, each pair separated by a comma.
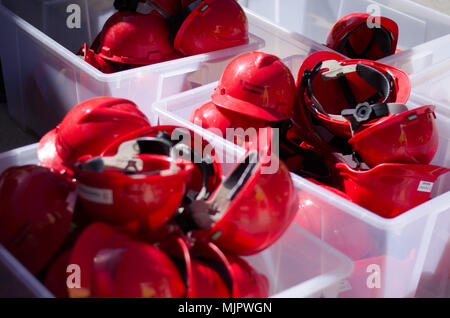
[(2, 88)]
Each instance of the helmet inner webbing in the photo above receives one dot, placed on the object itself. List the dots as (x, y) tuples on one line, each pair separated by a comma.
[(381, 36)]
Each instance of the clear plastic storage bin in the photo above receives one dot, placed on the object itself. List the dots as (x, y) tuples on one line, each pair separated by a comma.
[(417, 24), (44, 78), (432, 85), (421, 58), (398, 250), (297, 265)]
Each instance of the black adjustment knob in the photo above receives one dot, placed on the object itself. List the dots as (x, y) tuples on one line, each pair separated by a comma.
[(363, 112)]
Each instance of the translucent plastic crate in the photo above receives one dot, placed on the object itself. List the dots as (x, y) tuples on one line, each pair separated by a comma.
[(422, 58), (44, 79), (432, 86), (417, 24), (401, 249), (297, 265), (16, 281)]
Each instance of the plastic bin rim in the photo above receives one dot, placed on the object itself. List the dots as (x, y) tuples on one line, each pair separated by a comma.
[(33, 284)]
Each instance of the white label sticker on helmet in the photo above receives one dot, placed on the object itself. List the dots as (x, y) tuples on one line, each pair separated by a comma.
[(104, 196), (425, 186)]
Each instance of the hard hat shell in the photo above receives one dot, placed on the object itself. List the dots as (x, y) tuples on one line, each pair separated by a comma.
[(99, 63), (253, 206), (150, 196), (390, 189), (136, 39), (36, 211), (87, 129), (409, 137), (258, 85), (218, 120), (113, 265), (360, 35), (212, 25)]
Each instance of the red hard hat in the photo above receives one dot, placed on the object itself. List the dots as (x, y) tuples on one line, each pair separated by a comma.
[(252, 207), (337, 228), (95, 237), (36, 210), (135, 38), (87, 129), (246, 282), (202, 279), (207, 173), (212, 25), (136, 270), (409, 137), (258, 85), (354, 36), (343, 85), (96, 61), (211, 273), (56, 276), (390, 189), (218, 120), (121, 189), (113, 265)]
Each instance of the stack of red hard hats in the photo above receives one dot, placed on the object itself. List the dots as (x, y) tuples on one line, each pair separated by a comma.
[(257, 90), (146, 32), (357, 107), (142, 211), (339, 107)]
